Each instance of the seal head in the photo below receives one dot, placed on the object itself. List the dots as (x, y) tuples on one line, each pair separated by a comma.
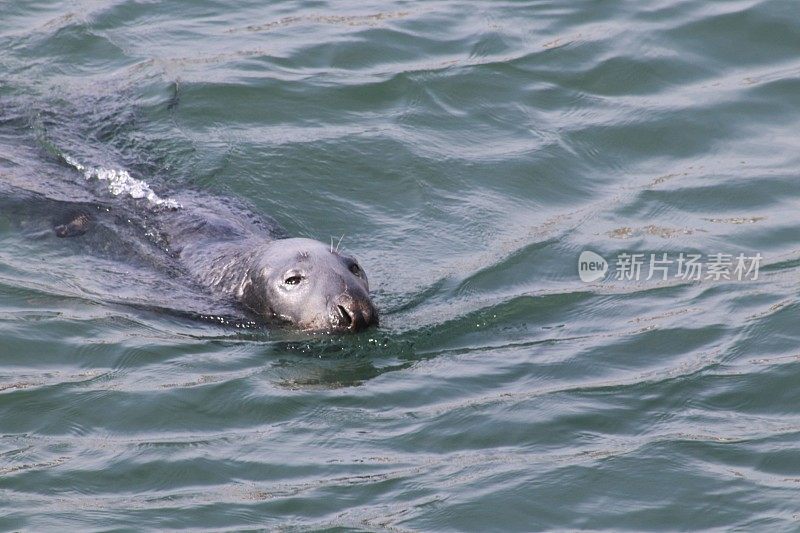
[(306, 284)]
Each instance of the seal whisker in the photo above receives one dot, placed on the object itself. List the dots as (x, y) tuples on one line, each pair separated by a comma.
[(340, 242)]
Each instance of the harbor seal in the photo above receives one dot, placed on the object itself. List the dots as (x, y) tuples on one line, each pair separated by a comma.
[(301, 282), (298, 282)]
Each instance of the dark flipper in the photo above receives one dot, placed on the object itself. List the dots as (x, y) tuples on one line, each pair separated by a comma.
[(77, 223)]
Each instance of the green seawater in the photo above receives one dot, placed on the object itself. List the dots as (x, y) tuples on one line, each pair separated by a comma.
[(468, 152)]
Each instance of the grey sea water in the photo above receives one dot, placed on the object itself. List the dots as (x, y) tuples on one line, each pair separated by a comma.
[(469, 152)]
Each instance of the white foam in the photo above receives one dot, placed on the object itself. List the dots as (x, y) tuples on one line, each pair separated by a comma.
[(120, 182)]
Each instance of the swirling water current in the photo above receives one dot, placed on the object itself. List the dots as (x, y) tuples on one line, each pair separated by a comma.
[(468, 152)]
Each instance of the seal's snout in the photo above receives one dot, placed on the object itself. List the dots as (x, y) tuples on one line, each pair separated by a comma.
[(352, 314)]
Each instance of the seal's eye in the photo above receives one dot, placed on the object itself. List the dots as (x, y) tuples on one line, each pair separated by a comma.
[(293, 280), (355, 269)]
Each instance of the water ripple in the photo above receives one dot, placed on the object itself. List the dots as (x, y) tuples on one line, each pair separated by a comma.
[(468, 156)]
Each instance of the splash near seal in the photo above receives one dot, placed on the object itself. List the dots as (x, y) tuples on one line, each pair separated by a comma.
[(120, 182)]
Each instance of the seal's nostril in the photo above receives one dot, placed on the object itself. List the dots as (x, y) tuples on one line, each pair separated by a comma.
[(345, 315)]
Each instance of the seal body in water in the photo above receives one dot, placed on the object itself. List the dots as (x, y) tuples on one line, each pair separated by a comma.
[(299, 282)]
